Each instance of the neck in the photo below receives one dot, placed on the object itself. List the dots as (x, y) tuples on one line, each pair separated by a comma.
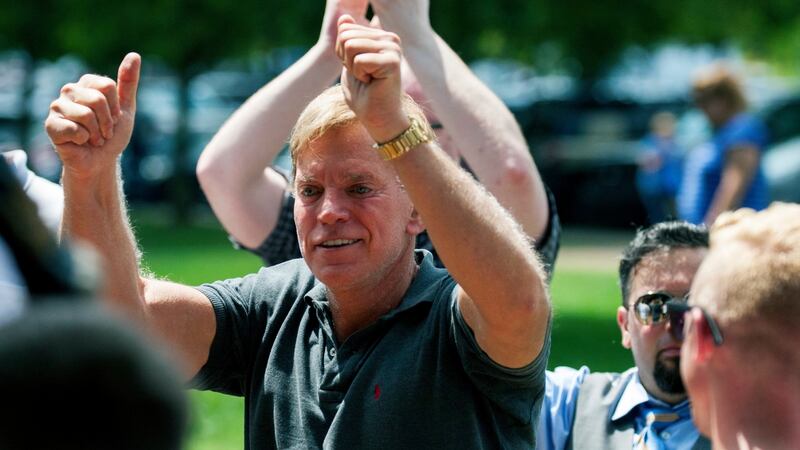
[(671, 399), (725, 119), (356, 307), (747, 417)]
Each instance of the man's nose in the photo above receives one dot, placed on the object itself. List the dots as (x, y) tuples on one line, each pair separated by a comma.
[(333, 208)]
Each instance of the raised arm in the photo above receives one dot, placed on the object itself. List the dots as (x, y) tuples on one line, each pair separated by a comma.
[(483, 130), (741, 165), (502, 294), (234, 169), (90, 125)]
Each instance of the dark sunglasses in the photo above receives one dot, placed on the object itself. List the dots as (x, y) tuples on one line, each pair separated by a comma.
[(679, 310), (652, 307), (657, 307)]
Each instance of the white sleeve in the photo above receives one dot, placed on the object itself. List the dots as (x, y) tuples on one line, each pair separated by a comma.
[(48, 196)]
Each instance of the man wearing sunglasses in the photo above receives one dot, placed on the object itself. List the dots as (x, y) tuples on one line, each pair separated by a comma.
[(646, 406), (741, 362)]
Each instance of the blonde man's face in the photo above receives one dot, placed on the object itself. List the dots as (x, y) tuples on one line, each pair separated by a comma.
[(355, 222)]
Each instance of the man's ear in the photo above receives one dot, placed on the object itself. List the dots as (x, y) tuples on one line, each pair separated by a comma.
[(622, 322), (415, 225), (703, 341)]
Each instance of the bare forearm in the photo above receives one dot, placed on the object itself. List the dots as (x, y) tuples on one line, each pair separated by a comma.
[(728, 195), (479, 242), (737, 175), (483, 129), (94, 212), (501, 292)]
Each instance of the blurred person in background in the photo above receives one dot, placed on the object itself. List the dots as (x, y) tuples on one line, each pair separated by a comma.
[(46, 195), (29, 220), (741, 363), (60, 349), (725, 173), (659, 162), (253, 200), (73, 377), (645, 407)]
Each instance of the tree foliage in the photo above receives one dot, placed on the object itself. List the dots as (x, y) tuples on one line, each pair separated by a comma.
[(191, 34)]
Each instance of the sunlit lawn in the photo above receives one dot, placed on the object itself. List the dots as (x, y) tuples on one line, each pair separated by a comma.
[(584, 331)]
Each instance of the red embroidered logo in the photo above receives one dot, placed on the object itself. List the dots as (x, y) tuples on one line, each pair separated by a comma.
[(377, 392)]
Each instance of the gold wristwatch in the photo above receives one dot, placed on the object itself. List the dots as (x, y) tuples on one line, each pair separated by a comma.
[(413, 136)]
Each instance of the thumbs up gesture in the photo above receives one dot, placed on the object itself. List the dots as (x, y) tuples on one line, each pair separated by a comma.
[(91, 123)]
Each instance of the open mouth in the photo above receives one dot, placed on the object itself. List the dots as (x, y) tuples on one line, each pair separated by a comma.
[(337, 243)]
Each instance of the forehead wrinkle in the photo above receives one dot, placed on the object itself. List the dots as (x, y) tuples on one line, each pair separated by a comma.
[(358, 177), (664, 271)]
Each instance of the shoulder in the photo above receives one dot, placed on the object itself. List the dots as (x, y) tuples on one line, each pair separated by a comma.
[(290, 279), (745, 128), (604, 384)]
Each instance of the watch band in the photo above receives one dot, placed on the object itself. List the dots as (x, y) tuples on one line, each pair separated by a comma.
[(414, 135)]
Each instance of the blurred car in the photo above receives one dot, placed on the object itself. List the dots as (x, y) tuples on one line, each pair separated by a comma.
[(781, 161), (586, 150), (782, 168)]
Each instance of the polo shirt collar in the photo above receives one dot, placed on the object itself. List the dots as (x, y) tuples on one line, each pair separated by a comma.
[(318, 295), (426, 277)]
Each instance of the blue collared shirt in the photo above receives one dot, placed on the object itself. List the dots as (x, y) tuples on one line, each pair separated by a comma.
[(561, 397)]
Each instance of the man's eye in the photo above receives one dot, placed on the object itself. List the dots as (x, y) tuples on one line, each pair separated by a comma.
[(361, 190), (309, 191)]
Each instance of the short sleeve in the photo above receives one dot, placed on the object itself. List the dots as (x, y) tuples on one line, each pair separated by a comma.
[(241, 318), (746, 130), (549, 244), (518, 392)]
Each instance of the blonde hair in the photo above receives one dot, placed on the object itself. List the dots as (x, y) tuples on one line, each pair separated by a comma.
[(328, 111), (717, 81), (752, 270)]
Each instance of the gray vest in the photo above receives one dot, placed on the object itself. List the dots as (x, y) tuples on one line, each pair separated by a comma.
[(592, 428)]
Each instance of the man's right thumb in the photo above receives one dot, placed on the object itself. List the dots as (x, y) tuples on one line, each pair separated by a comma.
[(128, 81)]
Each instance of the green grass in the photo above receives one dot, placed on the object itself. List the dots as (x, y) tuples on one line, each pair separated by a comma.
[(584, 328)]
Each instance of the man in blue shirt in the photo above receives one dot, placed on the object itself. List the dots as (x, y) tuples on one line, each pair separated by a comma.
[(646, 406)]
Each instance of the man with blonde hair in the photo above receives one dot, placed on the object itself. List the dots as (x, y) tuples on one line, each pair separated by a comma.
[(741, 365), (252, 198), (363, 343)]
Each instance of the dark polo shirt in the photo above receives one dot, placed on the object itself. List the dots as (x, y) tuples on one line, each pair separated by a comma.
[(415, 378)]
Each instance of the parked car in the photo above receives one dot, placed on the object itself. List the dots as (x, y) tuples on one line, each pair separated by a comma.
[(782, 168), (586, 150)]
